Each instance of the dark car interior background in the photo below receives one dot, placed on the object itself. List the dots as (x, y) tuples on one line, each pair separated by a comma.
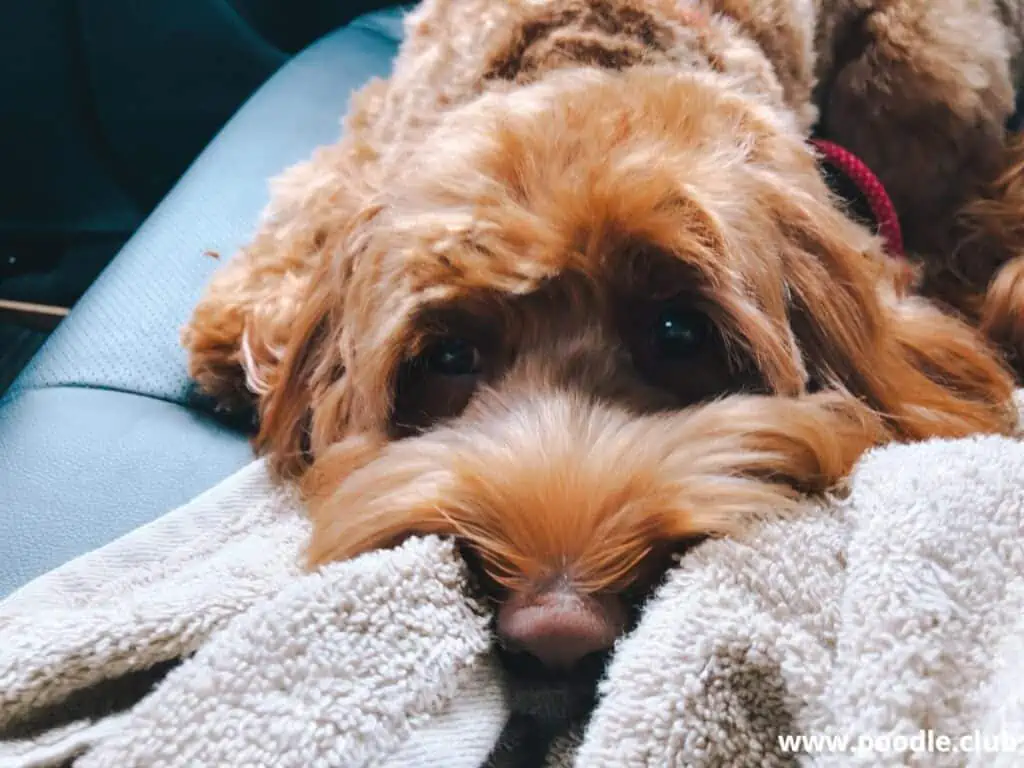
[(104, 105)]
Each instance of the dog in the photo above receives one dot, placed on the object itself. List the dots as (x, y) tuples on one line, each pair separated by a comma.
[(572, 288)]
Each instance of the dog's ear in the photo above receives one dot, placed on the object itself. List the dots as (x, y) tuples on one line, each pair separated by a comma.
[(927, 373), (310, 400), (959, 382), (286, 409)]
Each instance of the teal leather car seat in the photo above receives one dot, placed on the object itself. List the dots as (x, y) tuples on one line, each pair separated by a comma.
[(98, 435)]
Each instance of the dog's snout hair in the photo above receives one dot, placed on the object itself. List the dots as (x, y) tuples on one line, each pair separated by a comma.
[(558, 487)]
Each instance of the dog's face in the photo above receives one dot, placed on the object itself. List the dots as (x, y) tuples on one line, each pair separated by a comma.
[(646, 237), (530, 338)]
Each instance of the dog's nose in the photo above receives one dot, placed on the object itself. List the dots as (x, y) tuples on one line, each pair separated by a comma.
[(560, 627)]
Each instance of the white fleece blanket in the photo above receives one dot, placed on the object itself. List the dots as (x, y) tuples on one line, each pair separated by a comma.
[(893, 619)]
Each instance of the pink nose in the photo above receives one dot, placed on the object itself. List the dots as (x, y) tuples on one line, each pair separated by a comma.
[(560, 627)]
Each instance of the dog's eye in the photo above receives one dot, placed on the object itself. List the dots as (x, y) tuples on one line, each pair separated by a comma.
[(452, 357), (676, 346), (680, 333)]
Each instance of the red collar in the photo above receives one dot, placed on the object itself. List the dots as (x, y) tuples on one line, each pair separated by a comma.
[(878, 200)]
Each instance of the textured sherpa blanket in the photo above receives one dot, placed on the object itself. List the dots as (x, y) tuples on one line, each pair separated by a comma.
[(886, 628)]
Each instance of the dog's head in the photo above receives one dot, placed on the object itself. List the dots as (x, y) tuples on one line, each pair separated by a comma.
[(530, 340)]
